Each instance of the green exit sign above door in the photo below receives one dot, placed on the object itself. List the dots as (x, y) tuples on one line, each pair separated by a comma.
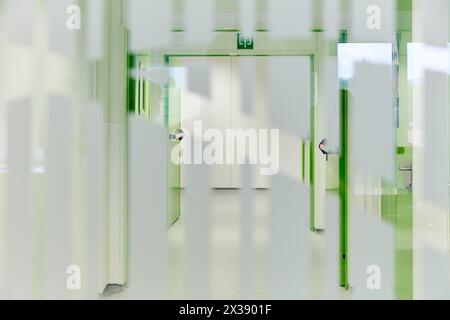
[(244, 43)]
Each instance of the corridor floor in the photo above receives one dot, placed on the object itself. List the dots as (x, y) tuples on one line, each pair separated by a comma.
[(226, 279)]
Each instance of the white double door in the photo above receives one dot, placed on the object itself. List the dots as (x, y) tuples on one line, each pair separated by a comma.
[(226, 107)]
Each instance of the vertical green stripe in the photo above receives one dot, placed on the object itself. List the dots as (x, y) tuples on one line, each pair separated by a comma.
[(343, 188), (131, 83), (343, 179)]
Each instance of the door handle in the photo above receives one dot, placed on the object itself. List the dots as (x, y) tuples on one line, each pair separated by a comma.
[(177, 135), (407, 169)]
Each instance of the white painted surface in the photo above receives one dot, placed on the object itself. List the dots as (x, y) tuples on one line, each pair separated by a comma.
[(213, 112), (226, 109)]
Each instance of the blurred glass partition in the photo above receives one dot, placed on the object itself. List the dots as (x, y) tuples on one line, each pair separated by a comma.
[(378, 160), (172, 119)]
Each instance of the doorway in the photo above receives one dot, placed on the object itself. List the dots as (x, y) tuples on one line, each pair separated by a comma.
[(241, 93), (231, 95)]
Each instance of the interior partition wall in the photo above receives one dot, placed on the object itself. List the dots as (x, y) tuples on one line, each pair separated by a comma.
[(390, 202)]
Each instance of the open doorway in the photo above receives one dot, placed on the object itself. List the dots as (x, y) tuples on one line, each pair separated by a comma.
[(227, 98), (250, 100)]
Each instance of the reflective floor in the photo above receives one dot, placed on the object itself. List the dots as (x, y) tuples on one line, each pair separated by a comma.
[(227, 270)]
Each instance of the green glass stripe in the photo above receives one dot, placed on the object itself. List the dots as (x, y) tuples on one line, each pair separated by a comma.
[(343, 189)]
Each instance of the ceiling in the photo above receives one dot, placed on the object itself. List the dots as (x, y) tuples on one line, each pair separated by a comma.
[(227, 13)]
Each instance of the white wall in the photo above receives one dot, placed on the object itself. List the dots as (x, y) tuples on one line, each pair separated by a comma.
[(214, 112), (430, 219), (34, 70)]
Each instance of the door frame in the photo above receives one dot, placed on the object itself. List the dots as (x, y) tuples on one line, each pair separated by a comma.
[(313, 108)]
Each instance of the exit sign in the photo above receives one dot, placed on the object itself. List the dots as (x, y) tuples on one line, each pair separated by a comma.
[(245, 43)]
